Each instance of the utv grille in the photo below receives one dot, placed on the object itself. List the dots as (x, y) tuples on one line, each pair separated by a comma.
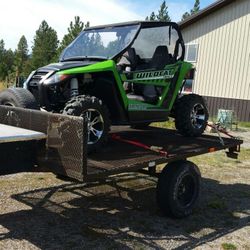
[(37, 77)]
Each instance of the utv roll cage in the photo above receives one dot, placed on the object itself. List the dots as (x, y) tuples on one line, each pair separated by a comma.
[(142, 25)]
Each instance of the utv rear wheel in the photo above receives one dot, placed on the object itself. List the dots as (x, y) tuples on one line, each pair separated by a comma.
[(18, 97), (97, 117), (191, 115)]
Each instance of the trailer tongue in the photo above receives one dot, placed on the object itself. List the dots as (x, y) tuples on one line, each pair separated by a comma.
[(58, 143)]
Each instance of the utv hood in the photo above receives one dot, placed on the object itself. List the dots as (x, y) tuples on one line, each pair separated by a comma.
[(65, 65)]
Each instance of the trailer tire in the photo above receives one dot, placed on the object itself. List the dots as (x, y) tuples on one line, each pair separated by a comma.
[(18, 97), (178, 188), (94, 109), (191, 115)]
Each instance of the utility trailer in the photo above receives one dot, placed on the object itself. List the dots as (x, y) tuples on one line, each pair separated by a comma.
[(52, 142)]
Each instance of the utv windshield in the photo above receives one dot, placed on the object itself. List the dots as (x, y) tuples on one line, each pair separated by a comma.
[(100, 43)]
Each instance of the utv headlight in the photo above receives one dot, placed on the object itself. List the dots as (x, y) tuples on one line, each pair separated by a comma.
[(56, 78)]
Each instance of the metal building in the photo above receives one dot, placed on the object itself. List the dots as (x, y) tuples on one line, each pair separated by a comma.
[(218, 44)]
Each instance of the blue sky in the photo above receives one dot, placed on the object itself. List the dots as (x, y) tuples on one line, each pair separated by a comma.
[(176, 7), (26, 16)]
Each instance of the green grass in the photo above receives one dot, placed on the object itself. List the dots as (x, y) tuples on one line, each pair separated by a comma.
[(244, 124), (228, 246), (168, 124), (219, 159)]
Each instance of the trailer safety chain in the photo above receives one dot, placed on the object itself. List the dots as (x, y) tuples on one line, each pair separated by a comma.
[(141, 145), (219, 130)]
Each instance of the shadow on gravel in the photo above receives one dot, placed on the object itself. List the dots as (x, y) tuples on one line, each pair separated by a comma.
[(121, 213)]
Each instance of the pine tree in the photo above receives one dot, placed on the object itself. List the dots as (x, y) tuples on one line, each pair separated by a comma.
[(6, 61), (185, 15), (152, 17), (2, 52), (163, 13), (21, 55), (45, 46), (73, 31), (194, 10), (196, 7)]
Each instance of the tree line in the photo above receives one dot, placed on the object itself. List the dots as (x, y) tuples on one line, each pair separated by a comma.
[(16, 65)]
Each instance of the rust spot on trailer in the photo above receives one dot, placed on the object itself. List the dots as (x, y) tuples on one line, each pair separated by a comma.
[(210, 150)]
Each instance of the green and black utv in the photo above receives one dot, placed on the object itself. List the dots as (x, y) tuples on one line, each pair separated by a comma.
[(119, 74)]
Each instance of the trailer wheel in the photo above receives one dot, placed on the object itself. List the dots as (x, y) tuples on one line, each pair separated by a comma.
[(97, 115), (178, 188), (191, 115), (18, 97)]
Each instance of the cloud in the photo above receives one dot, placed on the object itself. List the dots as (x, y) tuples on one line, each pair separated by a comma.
[(19, 18)]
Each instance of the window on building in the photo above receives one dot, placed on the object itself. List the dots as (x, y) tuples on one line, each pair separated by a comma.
[(191, 52)]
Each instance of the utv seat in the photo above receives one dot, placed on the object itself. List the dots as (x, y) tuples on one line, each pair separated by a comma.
[(129, 59), (159, 60)]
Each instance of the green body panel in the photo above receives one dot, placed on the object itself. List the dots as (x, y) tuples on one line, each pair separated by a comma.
[(162, 78), (105, 66), (185, 68)]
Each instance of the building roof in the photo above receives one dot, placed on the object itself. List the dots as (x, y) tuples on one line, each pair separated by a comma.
[(219, 4)]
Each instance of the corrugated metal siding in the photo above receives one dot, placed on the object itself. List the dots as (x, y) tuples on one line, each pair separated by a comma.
[(240, 107), (223, 62)]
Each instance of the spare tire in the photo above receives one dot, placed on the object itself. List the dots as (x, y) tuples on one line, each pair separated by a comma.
[(18, 97)]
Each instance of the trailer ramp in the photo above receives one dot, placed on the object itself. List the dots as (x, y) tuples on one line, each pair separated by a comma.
[(58, 142)]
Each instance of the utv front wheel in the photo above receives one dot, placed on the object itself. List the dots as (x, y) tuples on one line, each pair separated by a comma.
[(191, 115), (97, 117)]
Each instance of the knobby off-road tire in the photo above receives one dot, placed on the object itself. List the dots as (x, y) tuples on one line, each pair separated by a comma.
[(178, 188), (18, 97), (191, 115), (97, 115)]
